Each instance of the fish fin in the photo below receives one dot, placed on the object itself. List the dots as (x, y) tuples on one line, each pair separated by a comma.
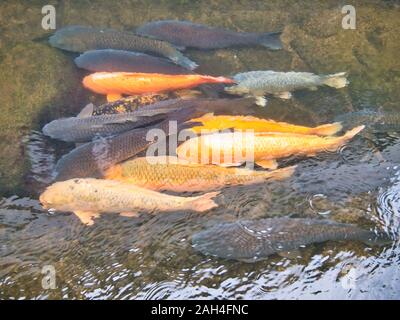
[(261, 101), (129, 214), (180, 48), (119, 121), (327, 129), (281, 174), (284, 95), (203, 203), (111, 97), (337, 80), (229, 164), (203, 118), (268, 164), (270, 40), (183, 61), (86, 217), (292, 254), (87, 111), (187, 94), (351, 133)]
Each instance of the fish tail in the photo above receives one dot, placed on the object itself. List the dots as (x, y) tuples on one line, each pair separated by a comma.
[(217, 79), (203, 203), (327, 129), (337, 80), (351, 133), (270, 40), (183, 61)]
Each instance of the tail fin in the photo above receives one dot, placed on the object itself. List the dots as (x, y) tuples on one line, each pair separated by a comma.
[(270, 40), (217, 79), (327, 129), (351, 133), (183, 61), (337, 80), (203, 203)]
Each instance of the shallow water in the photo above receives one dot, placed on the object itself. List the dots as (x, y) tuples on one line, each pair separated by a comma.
[(151, 257)]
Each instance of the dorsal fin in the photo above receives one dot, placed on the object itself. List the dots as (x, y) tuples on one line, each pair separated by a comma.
[(87, 111)]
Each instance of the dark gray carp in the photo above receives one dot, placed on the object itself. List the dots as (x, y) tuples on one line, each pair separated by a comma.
[(253, 240), (187, 34), (375, 120), (84, 129), (81, 39), (110, 60)]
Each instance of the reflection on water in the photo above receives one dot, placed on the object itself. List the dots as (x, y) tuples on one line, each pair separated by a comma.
[(151, 257)]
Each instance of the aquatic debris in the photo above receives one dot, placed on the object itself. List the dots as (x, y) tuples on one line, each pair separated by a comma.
[(254, 240), (281, 84), (187, 34), (171, 174), (236, 148), (87, 198), (114, 84), (212, 122), (81, 39), (110, 60)]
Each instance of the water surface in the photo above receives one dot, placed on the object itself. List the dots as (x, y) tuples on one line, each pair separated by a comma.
[(151, 257)]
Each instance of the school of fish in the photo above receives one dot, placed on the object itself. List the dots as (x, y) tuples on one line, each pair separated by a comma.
[(150, 85)]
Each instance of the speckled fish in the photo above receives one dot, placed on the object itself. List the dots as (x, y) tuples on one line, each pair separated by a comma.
[(254, 240), (81, 39), (93, 158), (136, 102), (170, 174), (212, 122), (187, 34), (110, 60), (281, 84), (114, 84), (234, 148), (85, 128), (375, 120), (87, 198)]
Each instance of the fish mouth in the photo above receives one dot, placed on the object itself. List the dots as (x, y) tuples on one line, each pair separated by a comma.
[(43, 202)]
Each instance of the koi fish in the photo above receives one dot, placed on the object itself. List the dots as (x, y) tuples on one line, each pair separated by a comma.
[(171, 174), (114, 84), (88, 198), (235, 148), (212, 122)]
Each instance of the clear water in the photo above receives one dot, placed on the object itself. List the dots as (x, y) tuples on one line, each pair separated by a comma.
[(151, 257)]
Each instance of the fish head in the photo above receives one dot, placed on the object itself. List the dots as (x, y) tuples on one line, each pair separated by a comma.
[(50, 128), (58, 196), (68, 39)]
